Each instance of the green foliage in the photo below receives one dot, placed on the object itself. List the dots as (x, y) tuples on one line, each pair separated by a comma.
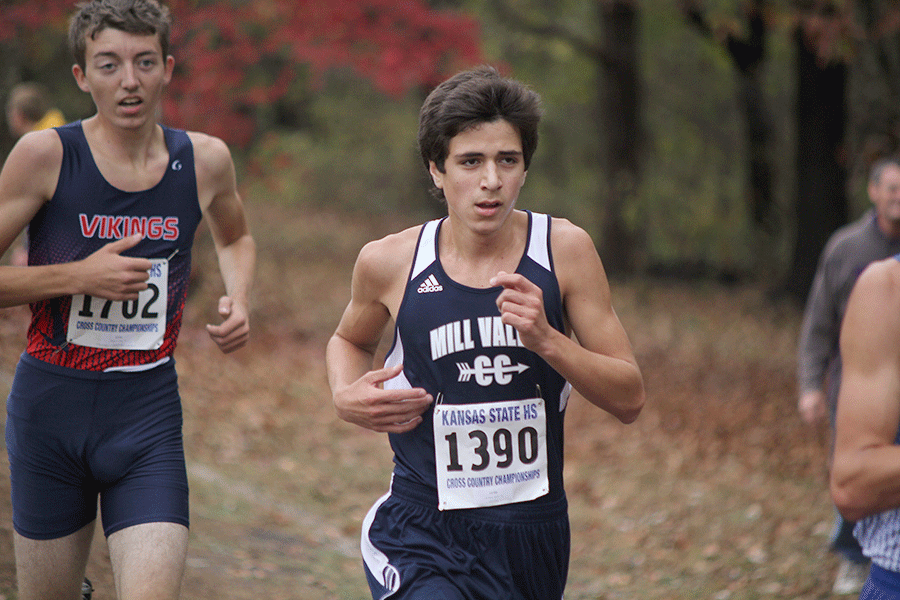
[(234, 56), (690, 218), (690, 206), (360, 154), (332, 139), (693, 186)]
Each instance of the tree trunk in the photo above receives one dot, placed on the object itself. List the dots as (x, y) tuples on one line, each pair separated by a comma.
[(620, 103), (874, 86), (821, 203), (748, 54)]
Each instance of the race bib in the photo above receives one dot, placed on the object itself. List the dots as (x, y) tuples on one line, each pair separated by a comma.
[(491, 453), (123, 325)]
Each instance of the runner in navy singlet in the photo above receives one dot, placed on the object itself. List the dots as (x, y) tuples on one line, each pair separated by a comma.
[(866, 468), (111, 204), (474, 389)]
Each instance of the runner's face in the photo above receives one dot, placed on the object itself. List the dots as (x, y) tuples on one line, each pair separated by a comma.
[(125, 75), (484, 173)]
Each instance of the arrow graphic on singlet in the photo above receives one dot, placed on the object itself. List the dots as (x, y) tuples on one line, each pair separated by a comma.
[(466, 371)]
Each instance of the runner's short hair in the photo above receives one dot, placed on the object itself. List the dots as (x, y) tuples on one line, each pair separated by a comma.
[(469, 98), (141, 17)]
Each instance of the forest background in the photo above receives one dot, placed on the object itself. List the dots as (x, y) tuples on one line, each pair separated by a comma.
[(725, 138), (709, 147)]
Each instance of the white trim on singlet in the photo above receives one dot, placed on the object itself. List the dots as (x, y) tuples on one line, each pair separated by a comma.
[(879, 537), (399, 382), (426, 252), (538, 250)]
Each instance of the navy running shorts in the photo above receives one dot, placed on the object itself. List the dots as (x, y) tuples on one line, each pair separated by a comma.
[(411, 550), (72, 435), (881, 585)]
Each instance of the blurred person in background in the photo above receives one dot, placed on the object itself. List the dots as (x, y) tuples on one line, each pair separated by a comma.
[(28, 108), (875, 236), (112, 204)]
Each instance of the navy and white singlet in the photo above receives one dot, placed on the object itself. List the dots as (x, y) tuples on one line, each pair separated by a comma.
[(879, 537), (476, 507), (451, 342)]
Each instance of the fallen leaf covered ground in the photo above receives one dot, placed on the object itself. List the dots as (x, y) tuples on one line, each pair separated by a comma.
[(718, 491)]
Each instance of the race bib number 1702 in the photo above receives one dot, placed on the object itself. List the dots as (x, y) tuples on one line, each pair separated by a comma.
[(491, 453), (123, 325)]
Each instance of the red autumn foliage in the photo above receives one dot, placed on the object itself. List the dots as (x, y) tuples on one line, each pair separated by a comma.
[(235, 55)]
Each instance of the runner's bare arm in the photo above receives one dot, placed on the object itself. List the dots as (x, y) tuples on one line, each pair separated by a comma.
[(358, 395), (865, 477), (600, 365), (235, 248), (27, 181)]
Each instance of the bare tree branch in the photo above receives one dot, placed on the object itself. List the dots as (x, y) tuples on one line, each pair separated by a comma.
[(548, 29)]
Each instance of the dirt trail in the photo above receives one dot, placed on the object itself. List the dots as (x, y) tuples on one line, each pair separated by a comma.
[(716, 492)]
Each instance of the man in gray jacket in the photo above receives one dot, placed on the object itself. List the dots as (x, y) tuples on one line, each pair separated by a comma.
[(876, 235)]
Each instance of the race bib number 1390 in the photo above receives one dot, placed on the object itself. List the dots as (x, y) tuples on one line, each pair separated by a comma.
[(123, 325), (491, 453)]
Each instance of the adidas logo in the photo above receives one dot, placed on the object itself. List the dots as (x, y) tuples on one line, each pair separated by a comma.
[(430, 285)]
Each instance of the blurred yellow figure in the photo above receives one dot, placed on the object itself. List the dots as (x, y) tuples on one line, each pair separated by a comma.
[(28, 109)]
